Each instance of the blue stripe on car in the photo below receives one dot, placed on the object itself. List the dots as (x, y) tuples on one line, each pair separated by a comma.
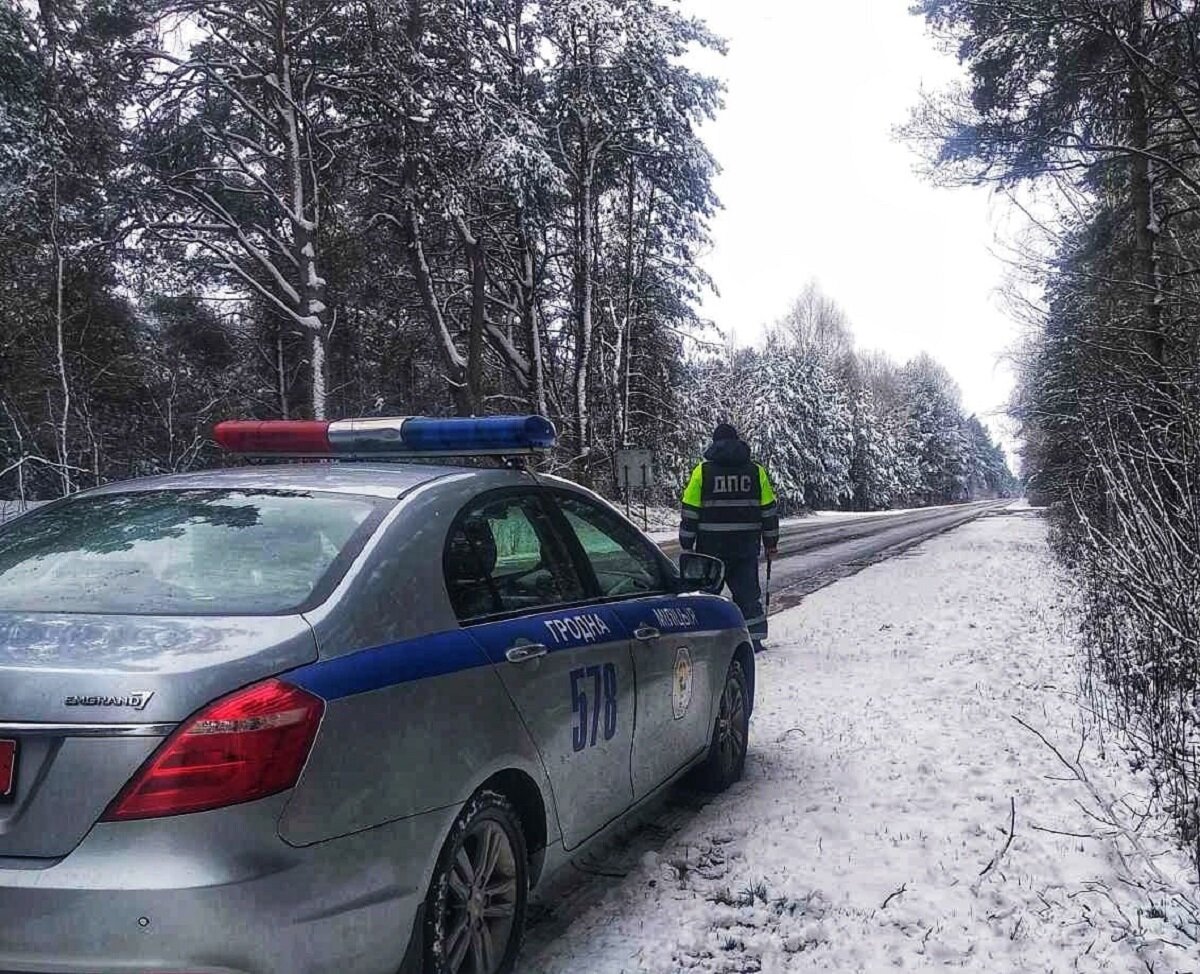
[(670, 613), (457, 650), (566, 629), (372, 669)]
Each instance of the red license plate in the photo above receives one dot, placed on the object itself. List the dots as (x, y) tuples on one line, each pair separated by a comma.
[(8, 769)]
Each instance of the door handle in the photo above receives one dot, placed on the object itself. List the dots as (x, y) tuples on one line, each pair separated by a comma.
[(646, 633), (525, 652)]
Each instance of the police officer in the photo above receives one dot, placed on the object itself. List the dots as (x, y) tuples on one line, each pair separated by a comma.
[(728, 511)]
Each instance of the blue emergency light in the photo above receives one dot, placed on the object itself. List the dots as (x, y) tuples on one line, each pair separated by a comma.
[(395, 437), (493, 433)]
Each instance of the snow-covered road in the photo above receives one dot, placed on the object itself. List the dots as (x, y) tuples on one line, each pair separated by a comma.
[(875, 828)]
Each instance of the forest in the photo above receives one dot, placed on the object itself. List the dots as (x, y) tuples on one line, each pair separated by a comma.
[(1088, 116), (334, 208)]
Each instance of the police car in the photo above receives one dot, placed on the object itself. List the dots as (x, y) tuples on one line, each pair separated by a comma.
[(328, 716)]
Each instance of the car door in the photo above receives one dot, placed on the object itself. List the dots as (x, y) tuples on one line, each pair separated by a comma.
[(673, 666), (565, 662)]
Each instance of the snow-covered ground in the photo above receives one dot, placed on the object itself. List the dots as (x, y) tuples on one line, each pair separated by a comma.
[(896, 814)]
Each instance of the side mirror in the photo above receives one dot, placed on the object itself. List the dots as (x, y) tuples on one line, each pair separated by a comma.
[(701, 573)]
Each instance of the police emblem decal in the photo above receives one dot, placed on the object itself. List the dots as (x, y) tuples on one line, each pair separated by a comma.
[(681, 685)]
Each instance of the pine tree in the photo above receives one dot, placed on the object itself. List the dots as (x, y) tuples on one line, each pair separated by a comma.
[(934, 432)]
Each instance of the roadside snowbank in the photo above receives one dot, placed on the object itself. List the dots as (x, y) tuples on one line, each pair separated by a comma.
[(671, 534), (664, 522), (874, 830), (10, 509), (860, 515)]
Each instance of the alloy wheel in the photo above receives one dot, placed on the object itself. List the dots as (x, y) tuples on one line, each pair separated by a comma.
[(731, 725), (481, 901)]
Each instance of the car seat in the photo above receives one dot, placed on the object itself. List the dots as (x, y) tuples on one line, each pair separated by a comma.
[(470, 562)]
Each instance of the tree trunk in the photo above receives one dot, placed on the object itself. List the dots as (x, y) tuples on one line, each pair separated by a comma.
[(1146, 221), (21, 454), (455, 364), (528, 284), (477, 259), (626, 345), (584, 288), (50, 25), (281, 376), (478, 317), (64, 457), (319, 405), (305, 219), (529, 321)]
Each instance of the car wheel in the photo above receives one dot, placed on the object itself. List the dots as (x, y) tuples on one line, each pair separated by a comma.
[(475, 910), (726, 759)]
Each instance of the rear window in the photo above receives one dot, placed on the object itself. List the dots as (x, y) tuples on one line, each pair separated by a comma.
[(195, 552)]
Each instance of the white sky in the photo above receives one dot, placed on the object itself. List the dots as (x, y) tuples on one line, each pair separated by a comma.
[(815, 185)]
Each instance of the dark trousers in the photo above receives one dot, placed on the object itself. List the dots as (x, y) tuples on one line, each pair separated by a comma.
[(741, 575)]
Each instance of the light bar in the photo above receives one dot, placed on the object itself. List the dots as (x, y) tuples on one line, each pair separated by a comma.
[(401, 436)]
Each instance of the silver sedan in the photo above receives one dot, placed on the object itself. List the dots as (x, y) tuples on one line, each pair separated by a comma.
[(335, 717)]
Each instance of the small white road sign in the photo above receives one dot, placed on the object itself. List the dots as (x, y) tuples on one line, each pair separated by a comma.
[(635, 468)]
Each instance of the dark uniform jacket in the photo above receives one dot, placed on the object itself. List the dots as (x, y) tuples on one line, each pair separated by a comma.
[(729, 505)]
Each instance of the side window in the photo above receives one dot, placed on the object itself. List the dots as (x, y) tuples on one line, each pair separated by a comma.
[(503, 556), (620, 557)]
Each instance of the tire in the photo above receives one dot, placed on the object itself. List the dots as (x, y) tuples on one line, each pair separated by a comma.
[(475, 914), (726, 760)]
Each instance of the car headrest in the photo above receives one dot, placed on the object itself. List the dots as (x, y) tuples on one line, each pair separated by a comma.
[(472, 554)]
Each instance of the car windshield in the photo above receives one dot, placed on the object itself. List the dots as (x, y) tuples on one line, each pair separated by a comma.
[(182, 552)]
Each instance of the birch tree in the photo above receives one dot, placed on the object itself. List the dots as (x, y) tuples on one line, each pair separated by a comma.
[(242, 133)]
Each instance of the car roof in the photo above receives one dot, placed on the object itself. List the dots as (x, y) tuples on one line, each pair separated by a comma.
[(388, 480)]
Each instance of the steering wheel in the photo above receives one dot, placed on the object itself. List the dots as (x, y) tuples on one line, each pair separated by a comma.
[(517, 576), (628, 584)]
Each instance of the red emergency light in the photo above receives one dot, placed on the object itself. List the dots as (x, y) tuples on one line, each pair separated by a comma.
[(273, 436)]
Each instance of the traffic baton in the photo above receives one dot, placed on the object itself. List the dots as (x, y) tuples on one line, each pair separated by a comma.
[(767, 608)]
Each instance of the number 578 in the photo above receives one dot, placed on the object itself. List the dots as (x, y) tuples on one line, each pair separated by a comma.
[(593, 688)]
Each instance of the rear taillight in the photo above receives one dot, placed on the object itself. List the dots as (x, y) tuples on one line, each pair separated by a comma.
[(246, 746)]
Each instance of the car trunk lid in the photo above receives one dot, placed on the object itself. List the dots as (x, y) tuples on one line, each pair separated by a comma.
[(87, 698)]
